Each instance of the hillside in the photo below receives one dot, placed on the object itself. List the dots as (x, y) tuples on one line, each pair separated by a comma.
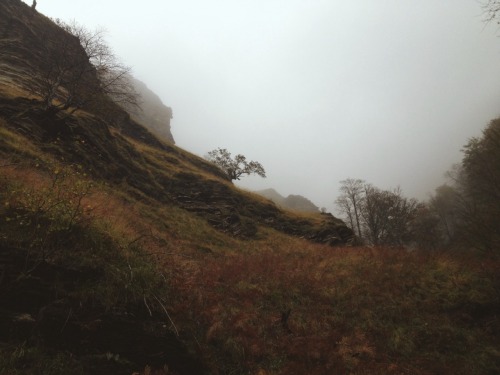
[(153, 114), (292, 202), (111, 146), (121, 253)]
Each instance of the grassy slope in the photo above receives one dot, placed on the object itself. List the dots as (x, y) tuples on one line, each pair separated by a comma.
[(352, 310), (109, 203)]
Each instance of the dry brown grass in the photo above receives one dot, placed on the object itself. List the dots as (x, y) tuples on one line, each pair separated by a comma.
[(353, 310), (10, 90)]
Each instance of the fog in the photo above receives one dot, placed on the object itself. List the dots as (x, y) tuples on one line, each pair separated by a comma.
[(317, 91)]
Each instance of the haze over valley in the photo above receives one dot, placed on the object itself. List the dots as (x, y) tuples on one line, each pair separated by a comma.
[(131, 244), (316, 91)]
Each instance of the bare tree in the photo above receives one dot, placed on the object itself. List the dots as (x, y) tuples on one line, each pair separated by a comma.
[(350, 201), (375, 214), (384, 217), (401, 214), (344, 205), (77, 68), (491, 10), (236, 167)]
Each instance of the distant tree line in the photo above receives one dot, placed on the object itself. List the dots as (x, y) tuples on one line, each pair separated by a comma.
[(466, 212), (462, 214), (378, 217)]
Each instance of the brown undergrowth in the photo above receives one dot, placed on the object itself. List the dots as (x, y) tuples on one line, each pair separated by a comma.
[(279, 304), (288, 307), (268, 304)]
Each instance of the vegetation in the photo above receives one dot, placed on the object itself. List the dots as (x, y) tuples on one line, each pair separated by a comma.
[(381, 217), (124, 254), (299, 309), (278, 305), (235, 168), (66, 79), (465, 213)]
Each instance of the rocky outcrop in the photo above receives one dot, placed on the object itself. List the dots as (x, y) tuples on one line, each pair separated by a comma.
[(108, 146), (153, 114), (238, 215)]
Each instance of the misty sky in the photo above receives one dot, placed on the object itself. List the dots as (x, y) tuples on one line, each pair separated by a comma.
[(316, 90)]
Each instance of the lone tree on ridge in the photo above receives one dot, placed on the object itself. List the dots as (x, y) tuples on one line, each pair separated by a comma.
[(236, 167)]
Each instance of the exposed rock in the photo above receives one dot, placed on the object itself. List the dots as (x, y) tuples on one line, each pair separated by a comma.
[(153, 114), (104, 144), (236, 214)]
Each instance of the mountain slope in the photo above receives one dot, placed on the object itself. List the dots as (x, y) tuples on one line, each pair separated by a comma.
[(116, 148), (121, 254), (88, 195), (153, 114), (292, 202)]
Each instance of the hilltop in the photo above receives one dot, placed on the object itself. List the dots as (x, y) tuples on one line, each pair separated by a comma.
[(292, 202), (122, 253)]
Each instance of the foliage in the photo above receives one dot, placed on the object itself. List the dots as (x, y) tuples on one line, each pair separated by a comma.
[(382, 217), (466, 212), (235, 168), (481, 188), (426, 229), (387, 216), (352, 310), (445, 203), (52, 207)]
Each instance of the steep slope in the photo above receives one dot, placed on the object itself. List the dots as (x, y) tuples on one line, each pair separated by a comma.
[(153, 114), (90, 198), (113, 146), (121, 254)]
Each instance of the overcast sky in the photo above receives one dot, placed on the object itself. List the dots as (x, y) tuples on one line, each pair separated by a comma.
[(316, 90)]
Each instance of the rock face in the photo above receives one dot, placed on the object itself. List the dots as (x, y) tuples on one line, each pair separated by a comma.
[(292, 202), (154, 115), (28, 44), (25, 42), (103, 143)]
